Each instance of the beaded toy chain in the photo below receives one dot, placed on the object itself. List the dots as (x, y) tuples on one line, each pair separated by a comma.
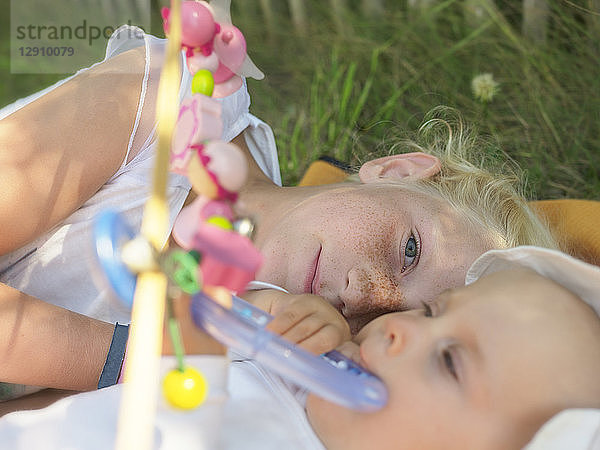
[(219, 259), (215, 257)]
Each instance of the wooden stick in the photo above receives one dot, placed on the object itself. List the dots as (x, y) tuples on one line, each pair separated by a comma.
[(138, 404)]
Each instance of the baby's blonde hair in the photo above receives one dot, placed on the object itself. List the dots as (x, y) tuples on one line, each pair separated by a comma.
[(486, 189)]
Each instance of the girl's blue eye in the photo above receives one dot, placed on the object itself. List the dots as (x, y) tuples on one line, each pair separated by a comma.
[(411, 252)]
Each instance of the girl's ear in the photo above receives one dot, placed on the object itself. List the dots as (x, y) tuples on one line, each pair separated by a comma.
[(406, 165)]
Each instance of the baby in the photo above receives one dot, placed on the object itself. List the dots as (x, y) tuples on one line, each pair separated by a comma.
[(483, 366)]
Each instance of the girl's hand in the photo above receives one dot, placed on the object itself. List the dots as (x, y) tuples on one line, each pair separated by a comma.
[(307, 320)]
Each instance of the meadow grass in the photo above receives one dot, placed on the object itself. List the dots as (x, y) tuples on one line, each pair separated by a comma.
[(352, 84), (347, 94)]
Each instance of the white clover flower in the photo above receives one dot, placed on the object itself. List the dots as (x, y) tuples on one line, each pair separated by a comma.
[(484, 87)]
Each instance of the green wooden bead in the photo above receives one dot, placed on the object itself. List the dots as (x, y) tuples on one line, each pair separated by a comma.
[(203, 83), (220, 221)]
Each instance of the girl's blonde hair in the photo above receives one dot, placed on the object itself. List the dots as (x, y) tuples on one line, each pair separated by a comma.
[(488, 190)]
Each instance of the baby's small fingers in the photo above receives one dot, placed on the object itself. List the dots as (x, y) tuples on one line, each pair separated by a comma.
[(350, 350), (347, 348), (325, 339)]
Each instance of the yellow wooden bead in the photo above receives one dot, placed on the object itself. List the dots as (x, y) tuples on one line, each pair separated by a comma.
[(203, 83), (220, 221), (185, 389)]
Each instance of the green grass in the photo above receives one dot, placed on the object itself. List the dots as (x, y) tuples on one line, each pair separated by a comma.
[(347, 94), (353, 84)]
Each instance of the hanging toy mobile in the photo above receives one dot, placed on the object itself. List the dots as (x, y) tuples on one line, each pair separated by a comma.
[(206, 229), (216, 258), (213, 45)]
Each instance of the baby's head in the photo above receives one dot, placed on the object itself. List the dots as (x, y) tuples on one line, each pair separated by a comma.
[(483, 365)]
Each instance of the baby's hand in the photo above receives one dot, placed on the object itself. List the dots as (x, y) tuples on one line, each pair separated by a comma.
[(307, 320), (351, 350)]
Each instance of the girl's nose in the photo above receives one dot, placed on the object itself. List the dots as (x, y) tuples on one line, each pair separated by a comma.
[(372, 290)]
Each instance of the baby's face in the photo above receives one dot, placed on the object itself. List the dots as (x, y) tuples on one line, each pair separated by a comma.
[(494, 362)]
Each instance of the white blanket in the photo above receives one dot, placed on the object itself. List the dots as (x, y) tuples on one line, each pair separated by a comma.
[(246, 408)]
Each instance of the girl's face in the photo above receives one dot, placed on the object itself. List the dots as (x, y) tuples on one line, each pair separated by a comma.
[(367, 248), (485, 368)]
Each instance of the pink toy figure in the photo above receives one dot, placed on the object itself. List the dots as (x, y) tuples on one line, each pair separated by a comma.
[(198, 60), (211, 42), (230, 47), (199, 120), (217, 171), (228, 258), (198, 27)]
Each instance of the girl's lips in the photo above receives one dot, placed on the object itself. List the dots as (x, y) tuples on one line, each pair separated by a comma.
[(315, 288), (311, 281)]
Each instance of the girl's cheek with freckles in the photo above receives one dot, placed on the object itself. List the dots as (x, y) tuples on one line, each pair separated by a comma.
[(375, 293)]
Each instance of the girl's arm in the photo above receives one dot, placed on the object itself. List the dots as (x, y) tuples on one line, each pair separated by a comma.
[(56, 152), (45, 345)]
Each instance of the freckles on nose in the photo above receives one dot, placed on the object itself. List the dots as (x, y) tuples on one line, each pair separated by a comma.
[(380, 292), (372, 287)]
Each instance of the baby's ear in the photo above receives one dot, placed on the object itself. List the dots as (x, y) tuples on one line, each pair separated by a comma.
[(406, 165)]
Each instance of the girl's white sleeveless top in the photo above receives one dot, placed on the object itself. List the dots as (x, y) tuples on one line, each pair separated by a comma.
[(59, 267)]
